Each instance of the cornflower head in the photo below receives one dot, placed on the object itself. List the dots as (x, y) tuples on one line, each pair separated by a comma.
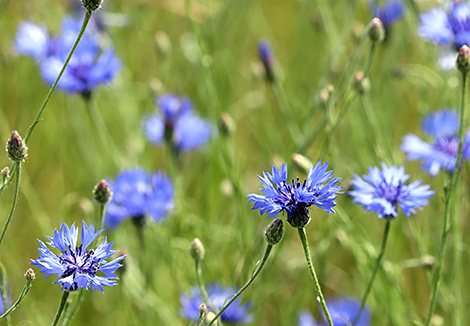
[(176, 123), (441, 152), (76, 266), (383, 191), (296, 197), (138, 194), (236, 313), (389, 12), (266, 56), (342, 311)]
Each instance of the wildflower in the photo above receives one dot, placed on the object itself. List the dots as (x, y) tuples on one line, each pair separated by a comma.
[(266, 57), (139, 194), (383, 191), (389, 13), (75, 266), (295, 198), (441, 152), (177, 123), (236, 313), (342, 312)]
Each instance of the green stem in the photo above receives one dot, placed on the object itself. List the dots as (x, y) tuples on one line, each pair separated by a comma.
[(308, 257), (15, 200), (73, 311), (61, 308), (202, 288), (252, 278), (23, 294), (378, 263), (370, 58), (448, 199), (52, 89)]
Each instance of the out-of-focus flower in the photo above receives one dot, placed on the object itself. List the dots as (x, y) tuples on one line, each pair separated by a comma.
[(266, 57), (382, 191), (177, 123), (389, 12), (296, 197), (441, 153), (139, 194), (76, 266), (236, 313)]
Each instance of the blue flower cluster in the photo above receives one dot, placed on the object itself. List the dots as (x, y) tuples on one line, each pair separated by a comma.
[(90, 66), (76, 266), (343, 311), (177, 123), (236, 313), (139, 194)]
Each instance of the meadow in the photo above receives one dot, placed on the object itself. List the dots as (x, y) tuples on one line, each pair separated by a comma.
[(267, 79)]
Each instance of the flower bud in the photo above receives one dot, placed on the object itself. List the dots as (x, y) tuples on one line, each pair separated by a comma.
[(227, 125), (266, 56), (30, 275), (376, 30), (301, 162), (102, 193), (91, 5), (16, 147), (463, 59), (5, 173), (202, 309), (274, 232), (197, 250), (361, 83)]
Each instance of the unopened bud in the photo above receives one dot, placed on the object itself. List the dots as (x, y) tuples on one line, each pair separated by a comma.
[(361, 83), (5, 173), (267, 59), (376, 30), (91, 5), (274, 232), (197, 250), (162, 43), (30, 275), (102, 193), (227, 124), (202, 309), (301, 162), (463, 59), (16, 147)]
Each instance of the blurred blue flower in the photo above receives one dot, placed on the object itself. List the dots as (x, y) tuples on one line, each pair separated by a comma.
[(90, 66), (342, 312), (441, 153), (236, 313), (139, 194), (75, 266), (390, 12), (383, 191), (295, 198), (177, 123)]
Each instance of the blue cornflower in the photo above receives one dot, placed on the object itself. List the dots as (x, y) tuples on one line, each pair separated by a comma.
[(236, 313), (441, 153), (75, 266), (295, 198), (383, 191), (138, 194), (390, 12), (176, 122), (342, 312), (266, 56)]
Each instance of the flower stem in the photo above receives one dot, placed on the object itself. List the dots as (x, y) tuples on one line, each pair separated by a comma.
[(378, 263), (448, 199), (73, 310), (23, 294), (308, 257), (255, 273), (52, 89), (202, 288), (61, 308), (15, 200)]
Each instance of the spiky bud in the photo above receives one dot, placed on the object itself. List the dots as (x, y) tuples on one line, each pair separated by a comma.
[(102, 193), (197, 249), (227, 125), (301, 162), (92, 5), (30, 275), (267, 59), (274, 232), (463, 59), (16, 147), (361, 83), (376, 30)]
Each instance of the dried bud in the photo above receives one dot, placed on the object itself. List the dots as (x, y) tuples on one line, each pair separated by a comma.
[(197, 249), (274, 232), (267, 59), (16, 147), (361, 83), (102, 193), (301, 162), (463, 59), (227, 124), (91, 5), (376, 30), (30, 275), (162, 43)]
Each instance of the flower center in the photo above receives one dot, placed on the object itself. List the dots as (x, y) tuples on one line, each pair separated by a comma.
[(448, 146), (79, 260), (390, 192)]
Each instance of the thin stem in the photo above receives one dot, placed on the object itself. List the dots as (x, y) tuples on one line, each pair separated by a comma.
[(73, 311), (202, 288), (378, 263), (308, 257), (448, 199), (15, 200), (23, 294), (52, 89), (61, 308), (255, 273), (370, 58)]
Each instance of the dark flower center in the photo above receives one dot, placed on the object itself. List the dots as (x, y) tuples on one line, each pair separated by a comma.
[(79, 260), (448, 146), (298, 216), (390, 192)]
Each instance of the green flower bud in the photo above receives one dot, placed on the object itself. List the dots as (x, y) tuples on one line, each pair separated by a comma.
[(91, 5), (227, 125), (30, 275), (5, 173), (361, 83), (463, 59), (274, 232), (197, 249), (16, 147), (102, 193), (376, 30)]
